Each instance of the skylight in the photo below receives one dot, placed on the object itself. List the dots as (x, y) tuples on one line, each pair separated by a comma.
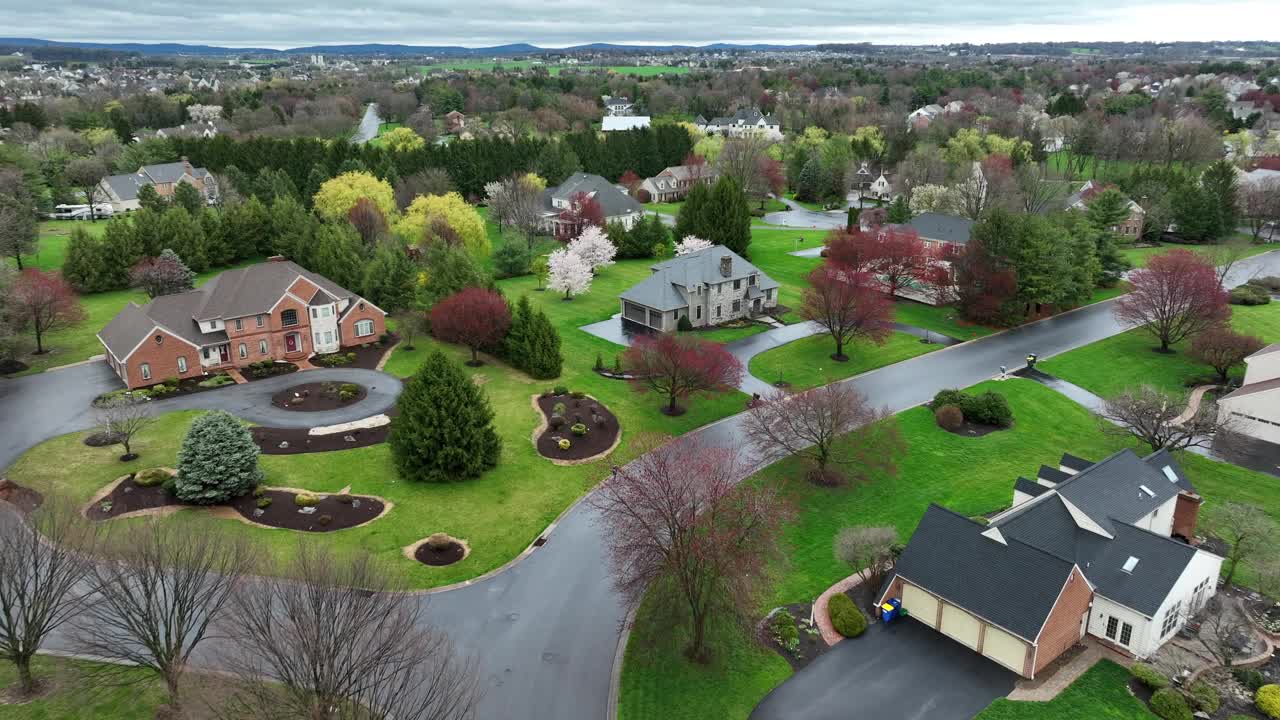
[(1169, 473), (1147, 490), (1130, 564)]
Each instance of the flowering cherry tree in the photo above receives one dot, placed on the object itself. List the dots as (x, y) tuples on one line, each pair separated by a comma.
[(568, 273), (594, 248), (691, 243)]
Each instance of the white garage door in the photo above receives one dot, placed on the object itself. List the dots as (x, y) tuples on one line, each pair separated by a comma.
[(960, 625), (920, 604), (1004, 649)]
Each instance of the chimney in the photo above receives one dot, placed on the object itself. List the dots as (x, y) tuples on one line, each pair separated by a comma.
[(186, 164), (726, 265), (276, 258)]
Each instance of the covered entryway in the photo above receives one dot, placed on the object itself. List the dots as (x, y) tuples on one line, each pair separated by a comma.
[(920, 605), (1005, 649), (960, 626)]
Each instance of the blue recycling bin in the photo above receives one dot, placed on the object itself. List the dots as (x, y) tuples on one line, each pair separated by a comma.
[(889, 611)]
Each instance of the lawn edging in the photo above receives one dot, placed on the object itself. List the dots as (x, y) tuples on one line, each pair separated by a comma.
[(820, 616)]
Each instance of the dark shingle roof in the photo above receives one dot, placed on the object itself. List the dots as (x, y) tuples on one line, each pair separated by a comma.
[(613, 202), (1075, 463), (665, 288), (1052, 474), (943, 228), (1113, 489), (1029, 487)]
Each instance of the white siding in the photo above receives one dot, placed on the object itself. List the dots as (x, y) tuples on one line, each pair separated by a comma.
[(1254, 414), (1160, 520), (1204, 566), (1262, 367), (1104, 608)]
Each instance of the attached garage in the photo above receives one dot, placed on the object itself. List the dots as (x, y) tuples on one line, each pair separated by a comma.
[(960, 625), (920, 605), (1005, 649)]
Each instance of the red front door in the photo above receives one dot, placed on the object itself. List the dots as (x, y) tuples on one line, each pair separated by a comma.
[(224, 353), (291, 342)]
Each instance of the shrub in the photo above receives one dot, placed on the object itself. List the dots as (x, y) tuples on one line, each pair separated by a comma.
[(561, 390), (782, 626), (348, 392), (344, 499), (578, 429), (948, 397), (264, 502), (216, 381), (1249, 295), (1149, 676), (1250, 678), (170, 485), (564, 444), (1205, 697), (151, 477), (161, 390), (324, 520), (1170, 705), (1268, 701), (683, 324), (846, 618), (218, 460), (1270, 282), (260, 491), (351, 357), (949, 417), (557, 422), (559, 409), (989, 408), (306, 500), (599, 362), (439, 541), (577, 395)]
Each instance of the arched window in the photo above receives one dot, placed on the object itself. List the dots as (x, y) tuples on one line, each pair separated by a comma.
[(289, 317)]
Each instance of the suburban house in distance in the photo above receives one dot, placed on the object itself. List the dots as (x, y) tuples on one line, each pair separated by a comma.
[(618, 206), (744, 122), (1254, 407), (122, 190), (612, 123), (1087, 548), (270, 311), (675, 182), (709, 287), (617, 106), (870, 184), (935, 229), (1131, 227)]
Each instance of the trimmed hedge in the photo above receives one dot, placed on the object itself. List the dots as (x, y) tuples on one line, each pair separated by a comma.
[(1170, 705), (1268, 701), (151, 477), (989, 408), (1205, 696), (846, 618), (1149, 676), (949, 417), (1250, 678)]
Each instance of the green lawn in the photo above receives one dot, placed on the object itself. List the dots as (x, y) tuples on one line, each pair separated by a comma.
[(1102, 693), (728, 334), (1126, 360), (51, 246), (815, 206), (74, 697), (383, 129), (668, 208), (968, 475), (1138, 257), (943, 319), (807, 363)]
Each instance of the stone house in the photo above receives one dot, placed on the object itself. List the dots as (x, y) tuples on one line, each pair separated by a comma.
[(709, 286), (270, 311)]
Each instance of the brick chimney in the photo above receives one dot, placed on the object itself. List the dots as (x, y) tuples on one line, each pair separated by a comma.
[(277, 258), (726, 265), (186, 165)]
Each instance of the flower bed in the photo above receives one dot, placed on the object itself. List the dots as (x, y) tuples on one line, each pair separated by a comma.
[(318, 396), (438, 550), (264, 369), (172, 387), (307, 512), (574, 428)]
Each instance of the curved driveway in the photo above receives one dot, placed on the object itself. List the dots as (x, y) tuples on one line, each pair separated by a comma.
[(369, 124), (546, 630)]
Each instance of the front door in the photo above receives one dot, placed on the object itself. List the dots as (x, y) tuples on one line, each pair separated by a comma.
[(755, 306), (291, 342), (224, 353)]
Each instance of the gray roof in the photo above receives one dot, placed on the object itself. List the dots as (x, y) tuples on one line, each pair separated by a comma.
[(1075, 463), (666, 288), (1014, 585), (944, 228), (613, 202), (126, 187), (126, 329), (1029, 487), (744, 116), (1052, 474)]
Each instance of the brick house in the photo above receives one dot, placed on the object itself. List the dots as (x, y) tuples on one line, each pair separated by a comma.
[(675, 182), (709, 286), (1087, 548), (1132, 225), (122, 190), (270, 311)]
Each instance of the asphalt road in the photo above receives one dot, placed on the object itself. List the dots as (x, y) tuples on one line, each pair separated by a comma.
[(368, 128), (546, 629)]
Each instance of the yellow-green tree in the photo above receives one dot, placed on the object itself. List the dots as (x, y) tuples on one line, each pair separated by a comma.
[(447, 218), (402, 139), (338, 195), (868, 142)]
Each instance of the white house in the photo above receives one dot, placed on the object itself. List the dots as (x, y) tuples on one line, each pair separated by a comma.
[(742, 123), (1254, 407)]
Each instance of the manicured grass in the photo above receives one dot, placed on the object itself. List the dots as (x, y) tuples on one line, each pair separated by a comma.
[(73, 697), (815, 206), (728, 334), (1102, 693), (1138, 257), (943, 319), (968, 475), (807, 363), (383, 129), (667, 208), (51, 245), (1127, 360)]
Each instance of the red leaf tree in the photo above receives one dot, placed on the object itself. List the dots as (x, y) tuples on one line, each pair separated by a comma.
[(772, 174), (630, 180), (983, 286), (848, 305), (895, 254), (1175, 296), (675, 519), (1221, 348), (583, 211), (368, 220), (680, 366), (43, 302), (474, 317), (850, 250)]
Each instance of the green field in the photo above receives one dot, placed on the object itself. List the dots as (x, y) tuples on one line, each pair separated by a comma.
[(51, 245), (72, 695), (383, 129), (968, 475), (1138, 257), (807, 363)]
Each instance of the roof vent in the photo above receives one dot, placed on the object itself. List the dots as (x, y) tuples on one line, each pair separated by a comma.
[(1130, 564), (1169, 473), (1147, 490)]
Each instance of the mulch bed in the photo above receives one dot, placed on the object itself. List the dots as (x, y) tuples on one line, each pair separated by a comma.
[(284, 513), (315, 397), (297, 441), (599, 438), (367, 356), (436, 558), (186, 386), (23, 498), (279, 368), (972, 429), (102, 439), (129, 497), (811, 645), (11, 366)]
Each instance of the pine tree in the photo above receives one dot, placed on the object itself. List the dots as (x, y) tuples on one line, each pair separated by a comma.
[(515, 347), (445, 428), (727, 218), (218, 460), (389, 279), (899, 211), (186, 195), (149, 199), (813, 181), (689, 219), (83, 265), (543, 360)]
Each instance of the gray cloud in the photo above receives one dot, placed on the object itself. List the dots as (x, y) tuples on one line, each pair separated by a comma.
[(289, 23)]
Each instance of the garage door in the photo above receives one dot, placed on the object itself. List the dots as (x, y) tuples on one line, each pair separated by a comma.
[(960, 625), (920, 604), (1004, 649)]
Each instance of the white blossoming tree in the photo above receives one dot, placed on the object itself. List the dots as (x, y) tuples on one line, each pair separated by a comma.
[(691, 243), (568, 273), (594, 248)]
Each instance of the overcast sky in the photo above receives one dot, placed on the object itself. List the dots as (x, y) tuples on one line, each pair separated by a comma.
[(558, 23)]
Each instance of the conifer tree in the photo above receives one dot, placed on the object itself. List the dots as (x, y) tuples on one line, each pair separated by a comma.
[(445, 428), (727, 218), (542, 359), (515, 347), (218, 460)]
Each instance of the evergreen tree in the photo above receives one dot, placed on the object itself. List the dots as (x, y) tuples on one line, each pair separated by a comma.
[(149, 199), (291, 230), (84, 265), (813, 182), (217, 249), (389, 278), (186, 195), (1221, 183), (515, 347), (179, 231), (556, 162), (726, 220), (543, 360), (450, 269), (339, 254), (218, 461), (689, 220), (512, 259), (642, 240), (899, 211), (444, 431)]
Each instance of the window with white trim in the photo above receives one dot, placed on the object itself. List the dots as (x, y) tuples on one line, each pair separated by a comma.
[(239, 324), (244, 351), (182, 364), (328, 337), (289, 317), (262, 347), (1171, 619), (146, 370), (1113, 624), (364, 328), (261, 320)]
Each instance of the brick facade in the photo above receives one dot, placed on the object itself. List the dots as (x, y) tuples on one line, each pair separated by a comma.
[(161, 359), (1062, 629), (1186, 515)]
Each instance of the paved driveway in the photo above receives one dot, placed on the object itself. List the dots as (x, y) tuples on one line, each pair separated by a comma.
[(904, 672)]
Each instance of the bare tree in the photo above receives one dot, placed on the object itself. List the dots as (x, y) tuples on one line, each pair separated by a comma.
[(1224, 632), (411, 323), (1261, 205), (159, 589), (1245, 528), (516, 202), (1036, 193), (40, 565), (828, 426), (867, 548), (1226, 254), (85, 174), (122, 419), (1157, 418), (675, 520), (340, 639)]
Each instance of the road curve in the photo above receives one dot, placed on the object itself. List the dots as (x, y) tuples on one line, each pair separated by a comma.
[(369, 124)]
